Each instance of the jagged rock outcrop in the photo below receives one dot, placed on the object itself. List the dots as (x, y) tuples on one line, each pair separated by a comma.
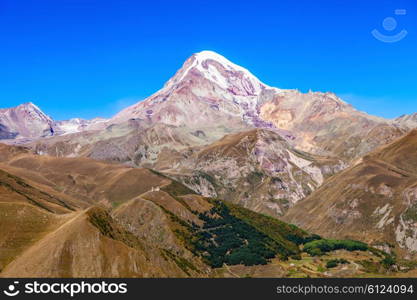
[(373, 200)]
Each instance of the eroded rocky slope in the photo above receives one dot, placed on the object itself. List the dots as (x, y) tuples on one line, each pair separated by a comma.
[(77, 217), (373, 200), (257, 169)]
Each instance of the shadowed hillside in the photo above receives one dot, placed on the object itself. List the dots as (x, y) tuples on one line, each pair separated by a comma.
[(137, 224), (373, 201)]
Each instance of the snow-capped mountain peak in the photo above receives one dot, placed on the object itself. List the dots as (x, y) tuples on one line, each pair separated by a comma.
[(33, 110), (207, 82), (220, 71), (26, 121), (75, 125)]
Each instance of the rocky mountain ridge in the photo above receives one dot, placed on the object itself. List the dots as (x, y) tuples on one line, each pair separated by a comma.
[(211, 100), (150, 183), (210, 92), (27, 122), (374, 200)]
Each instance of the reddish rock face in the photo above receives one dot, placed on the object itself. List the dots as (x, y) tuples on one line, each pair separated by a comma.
[(324, 124), (374, 200), (207, 89), (223, 133), (26, 121), (407, 121), (210, 91)]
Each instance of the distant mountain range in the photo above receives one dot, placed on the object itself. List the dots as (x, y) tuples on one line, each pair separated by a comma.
[(28, 122), (214, 131), (210, 93)]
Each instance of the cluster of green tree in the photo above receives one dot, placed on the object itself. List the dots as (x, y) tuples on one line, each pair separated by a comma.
[(225, 238), (234, 235), (335, 262), (388, 261), (300, 240), (319, 247), (288, 235)]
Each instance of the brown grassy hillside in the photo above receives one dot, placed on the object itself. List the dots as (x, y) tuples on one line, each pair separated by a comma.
[(374, 200), (77, 217)]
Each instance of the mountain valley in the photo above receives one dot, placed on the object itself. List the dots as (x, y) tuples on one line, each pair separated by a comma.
[(205, 178)]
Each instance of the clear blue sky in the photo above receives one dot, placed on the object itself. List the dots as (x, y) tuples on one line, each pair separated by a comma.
[(91, 58)]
